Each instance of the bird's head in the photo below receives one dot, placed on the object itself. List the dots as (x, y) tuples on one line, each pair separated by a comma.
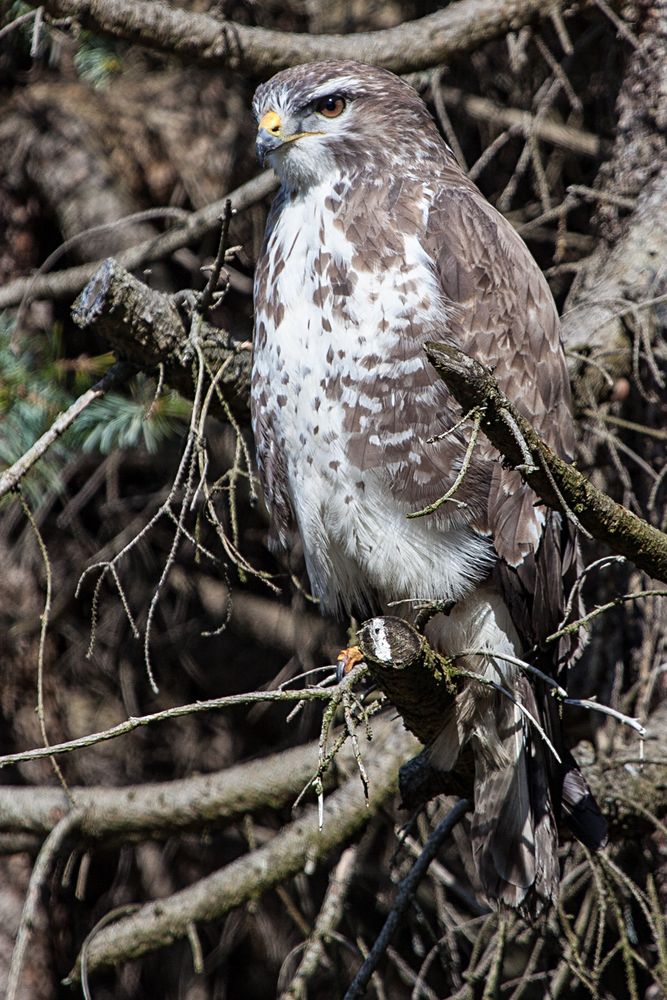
[(320, 119)]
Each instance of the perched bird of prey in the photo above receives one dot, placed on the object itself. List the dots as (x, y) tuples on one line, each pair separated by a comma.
[(377, 242)]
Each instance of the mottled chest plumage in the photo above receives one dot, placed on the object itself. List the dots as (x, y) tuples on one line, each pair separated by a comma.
[(343, 399)]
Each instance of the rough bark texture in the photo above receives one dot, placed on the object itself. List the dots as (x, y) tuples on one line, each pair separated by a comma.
[(536, 98), (605, 307), (617, 295), (424, 42), (289, 852), (419, 682), (145, 327), (552, 479), (160, 809)]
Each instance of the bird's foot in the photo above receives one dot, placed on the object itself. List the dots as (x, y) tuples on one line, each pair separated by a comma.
[(348, 658)]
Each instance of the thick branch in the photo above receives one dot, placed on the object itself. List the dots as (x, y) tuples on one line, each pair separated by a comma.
[(159, 923), (402, 663), (145, 328), (552, 479), (420, 685), (620, 286), (164, 807), (415, 45)]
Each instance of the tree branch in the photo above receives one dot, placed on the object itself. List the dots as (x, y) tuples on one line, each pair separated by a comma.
[(177, 712), (401, 661), (575, 140), (12, 476), (161, 808), (329, 916), (145, 327), (420, 685), (605, 304), (200, 224), (620, 287), (418, 44), (552, 479), (404, 897), (159, 923), (50, 850)]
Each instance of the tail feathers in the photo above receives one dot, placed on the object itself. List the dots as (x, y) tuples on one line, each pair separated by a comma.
[(514, 836), (502, 832), (580, 810), (513, 830)]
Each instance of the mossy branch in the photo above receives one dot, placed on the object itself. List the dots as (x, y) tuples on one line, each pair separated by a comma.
[(416, 679), (552, 479)]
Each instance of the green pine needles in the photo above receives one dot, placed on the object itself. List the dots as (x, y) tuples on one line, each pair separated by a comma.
[(37, 382)]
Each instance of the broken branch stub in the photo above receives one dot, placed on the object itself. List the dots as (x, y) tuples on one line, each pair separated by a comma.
[(145, 328), (422, 686), (419, 682)]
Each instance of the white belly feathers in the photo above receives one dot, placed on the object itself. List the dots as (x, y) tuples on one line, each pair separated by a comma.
[(333, 332)]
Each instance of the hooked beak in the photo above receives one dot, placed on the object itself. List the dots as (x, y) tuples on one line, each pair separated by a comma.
[(270, 135)]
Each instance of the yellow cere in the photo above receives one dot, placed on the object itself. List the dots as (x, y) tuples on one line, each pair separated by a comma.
[(271, 121)]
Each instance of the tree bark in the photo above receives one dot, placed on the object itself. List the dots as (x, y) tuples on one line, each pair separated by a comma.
[(302, 842), (146, 328), (409, 46), (561, 486), (617, 290)]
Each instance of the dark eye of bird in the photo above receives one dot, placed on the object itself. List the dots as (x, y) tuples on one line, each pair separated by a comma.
[(331, 106)]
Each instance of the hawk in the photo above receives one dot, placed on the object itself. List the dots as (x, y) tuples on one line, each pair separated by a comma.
[(376, 242)]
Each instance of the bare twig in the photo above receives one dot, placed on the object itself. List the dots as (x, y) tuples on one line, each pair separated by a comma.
[(477, 413), (572, 627), (630, 425), (70, 281), (159, 923), (207, 295), (606, 710), (17, 22), (328, 917), (40, 873), (135, 722), (44, 624), (473, 385), (560, 692), (11, 477), (523, 122), (404, 897), (108, 918)]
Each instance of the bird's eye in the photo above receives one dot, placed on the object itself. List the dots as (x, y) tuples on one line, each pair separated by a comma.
[(330, 107)]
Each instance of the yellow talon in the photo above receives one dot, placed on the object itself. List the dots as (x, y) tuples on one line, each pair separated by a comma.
[(348, 658)]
